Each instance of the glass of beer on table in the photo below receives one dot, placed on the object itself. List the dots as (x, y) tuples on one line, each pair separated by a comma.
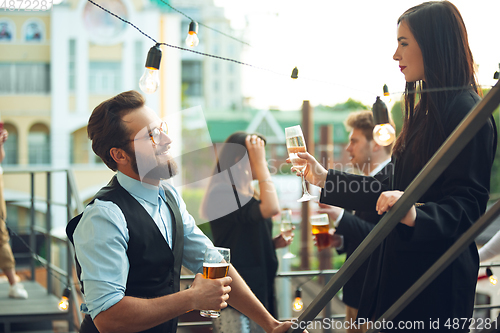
[(320, 227), (295, 143), (215, 266)]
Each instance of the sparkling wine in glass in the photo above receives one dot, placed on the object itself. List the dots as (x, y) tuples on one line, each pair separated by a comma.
[(295, 143), (286, 230)]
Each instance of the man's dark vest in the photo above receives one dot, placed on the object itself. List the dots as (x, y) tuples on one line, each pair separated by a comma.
[(154, 267)]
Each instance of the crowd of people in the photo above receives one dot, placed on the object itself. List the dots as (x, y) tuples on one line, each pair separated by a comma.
[(135, 235)]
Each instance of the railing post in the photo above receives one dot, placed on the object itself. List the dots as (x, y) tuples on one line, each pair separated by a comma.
[(48, 239), (32, 227)]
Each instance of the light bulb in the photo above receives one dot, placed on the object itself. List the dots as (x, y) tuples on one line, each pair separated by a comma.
[(150, 80), (298, 304), (384, 134), (64, 302), (493, 278), (192, 38)]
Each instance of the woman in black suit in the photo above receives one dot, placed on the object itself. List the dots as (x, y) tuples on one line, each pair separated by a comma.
[(433, 52)]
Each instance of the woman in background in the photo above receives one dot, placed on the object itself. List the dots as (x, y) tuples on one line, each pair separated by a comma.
[(241, 219)]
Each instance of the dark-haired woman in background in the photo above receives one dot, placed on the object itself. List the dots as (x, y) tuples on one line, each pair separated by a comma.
[(240, 219), (433, 51)]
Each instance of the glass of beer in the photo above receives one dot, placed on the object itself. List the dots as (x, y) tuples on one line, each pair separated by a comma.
[(215, 266), (295, 143), (286, 230), (320, 227)]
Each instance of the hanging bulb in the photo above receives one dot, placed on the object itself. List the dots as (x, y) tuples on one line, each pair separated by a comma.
[(383, 132), (150, 80), (386, 90), (64, 302), (192, 38), (295, 73), (493, 278), (298, 304)]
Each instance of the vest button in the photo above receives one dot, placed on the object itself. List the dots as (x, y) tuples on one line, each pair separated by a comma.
[(171, 283)]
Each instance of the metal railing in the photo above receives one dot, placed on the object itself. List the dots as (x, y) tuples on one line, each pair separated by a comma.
[(72, 203)]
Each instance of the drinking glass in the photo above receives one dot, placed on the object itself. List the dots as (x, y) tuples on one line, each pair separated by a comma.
[(215, 266), (295, 143), (320, 227), (286, 230)]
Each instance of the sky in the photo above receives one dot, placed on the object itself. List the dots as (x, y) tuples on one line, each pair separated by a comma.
[(342, 49)]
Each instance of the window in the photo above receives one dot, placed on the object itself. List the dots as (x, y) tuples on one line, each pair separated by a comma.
[(72, 65), (191, 77), (104, 77), (10, 146), (24, 78), (7, 31), (39, 144), (33, 31)]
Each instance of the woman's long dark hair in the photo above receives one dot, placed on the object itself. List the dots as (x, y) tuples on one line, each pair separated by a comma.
[(441, 35), (228, 154)]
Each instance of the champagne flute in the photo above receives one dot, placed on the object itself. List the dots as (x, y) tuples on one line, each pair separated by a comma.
[(295, 143), (286, 230), (215, 266)]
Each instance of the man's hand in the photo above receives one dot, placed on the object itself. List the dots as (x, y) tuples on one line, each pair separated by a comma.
[(283, 327), (314, 172), (334, 241), (332, 211), (388, 199), (210, 294)]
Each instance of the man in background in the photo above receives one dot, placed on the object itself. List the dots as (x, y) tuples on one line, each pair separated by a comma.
[(370, 159)]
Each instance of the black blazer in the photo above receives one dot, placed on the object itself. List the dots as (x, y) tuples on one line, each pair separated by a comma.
[(355, 228), (451, 205)]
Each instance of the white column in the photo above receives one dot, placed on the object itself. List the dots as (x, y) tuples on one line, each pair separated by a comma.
[(170, 88)]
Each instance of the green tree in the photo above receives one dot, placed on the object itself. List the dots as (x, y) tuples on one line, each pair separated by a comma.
[(350, 104), (397, 116), (495, 171)]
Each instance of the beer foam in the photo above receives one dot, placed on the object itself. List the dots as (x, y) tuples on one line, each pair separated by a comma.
[(319, 223), (216, 264)]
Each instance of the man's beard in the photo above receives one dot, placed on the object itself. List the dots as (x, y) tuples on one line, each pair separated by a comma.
[(162, 170)]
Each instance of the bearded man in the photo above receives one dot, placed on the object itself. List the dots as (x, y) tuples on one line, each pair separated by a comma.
[(134, 236)]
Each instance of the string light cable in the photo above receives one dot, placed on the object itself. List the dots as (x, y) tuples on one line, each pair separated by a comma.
[(204, 25), (64, 301), (275, 72)]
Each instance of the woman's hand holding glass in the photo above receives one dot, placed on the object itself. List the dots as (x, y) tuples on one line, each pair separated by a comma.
[(314, 172)]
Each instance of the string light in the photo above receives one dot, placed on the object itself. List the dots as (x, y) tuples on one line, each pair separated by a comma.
[(150, 80), (493, 279), (295, 73), (383, 132), (298, 305), (192, 38), (386, 90), (64, 302), (266, 69)]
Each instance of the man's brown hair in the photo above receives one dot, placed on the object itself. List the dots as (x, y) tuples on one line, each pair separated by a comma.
[(363, 120), (106, 129)]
